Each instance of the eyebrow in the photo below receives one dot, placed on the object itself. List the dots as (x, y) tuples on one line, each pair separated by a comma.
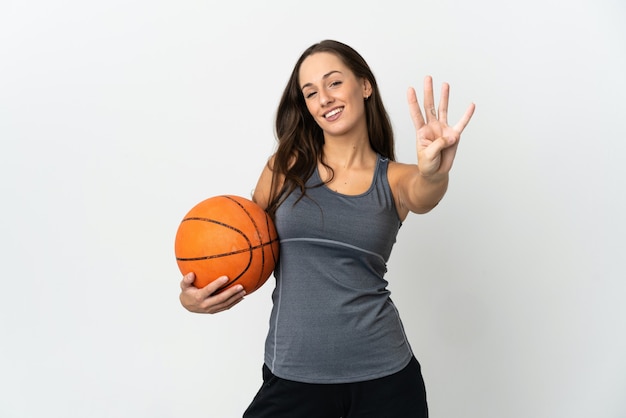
[(325, 76)]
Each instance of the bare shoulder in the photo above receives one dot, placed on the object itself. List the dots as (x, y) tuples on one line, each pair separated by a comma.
[(398, 176), (263, 189), (399, 171), (413, 192)]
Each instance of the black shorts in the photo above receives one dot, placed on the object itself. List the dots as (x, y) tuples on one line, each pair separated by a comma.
[(401, 395)]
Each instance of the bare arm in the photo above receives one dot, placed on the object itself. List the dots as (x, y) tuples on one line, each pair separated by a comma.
[(261, 193), (418, 188)]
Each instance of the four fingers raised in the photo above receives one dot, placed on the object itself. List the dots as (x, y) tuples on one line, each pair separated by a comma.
[(414, 109), (431, 115)]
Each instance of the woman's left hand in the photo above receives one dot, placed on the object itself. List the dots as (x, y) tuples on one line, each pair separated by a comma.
[(437, 142)]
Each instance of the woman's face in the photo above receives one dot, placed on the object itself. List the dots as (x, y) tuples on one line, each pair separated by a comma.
[(333, 95)]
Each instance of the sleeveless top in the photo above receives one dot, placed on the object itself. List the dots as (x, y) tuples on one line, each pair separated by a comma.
[(332, 319)]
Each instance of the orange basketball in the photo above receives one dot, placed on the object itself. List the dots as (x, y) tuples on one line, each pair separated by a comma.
[(227, 236)]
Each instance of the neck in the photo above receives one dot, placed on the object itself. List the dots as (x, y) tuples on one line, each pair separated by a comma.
[(348, 152)]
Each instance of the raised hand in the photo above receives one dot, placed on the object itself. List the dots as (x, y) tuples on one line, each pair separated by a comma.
[(436, 141)]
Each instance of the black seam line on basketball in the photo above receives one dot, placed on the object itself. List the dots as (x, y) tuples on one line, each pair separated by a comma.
[(208, 257), (213, 221), (267, 228), (258, 233), (215, 256)]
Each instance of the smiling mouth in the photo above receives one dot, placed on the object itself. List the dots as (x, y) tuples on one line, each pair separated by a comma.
[(333, 112)]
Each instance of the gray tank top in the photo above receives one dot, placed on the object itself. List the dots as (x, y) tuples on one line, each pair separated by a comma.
[(333, 320)]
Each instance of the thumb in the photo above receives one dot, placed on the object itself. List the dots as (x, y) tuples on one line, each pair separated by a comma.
[(187, 281), (434, 149)]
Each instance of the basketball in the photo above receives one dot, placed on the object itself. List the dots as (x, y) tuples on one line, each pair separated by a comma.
[(227, 236)]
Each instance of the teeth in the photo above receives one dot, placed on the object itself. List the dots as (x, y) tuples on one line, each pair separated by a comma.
[(333, 112)]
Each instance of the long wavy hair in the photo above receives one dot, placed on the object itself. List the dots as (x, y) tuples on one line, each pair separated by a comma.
[(301, 140)]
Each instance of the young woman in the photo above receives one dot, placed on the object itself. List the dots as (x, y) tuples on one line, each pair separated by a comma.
[(336, 346)]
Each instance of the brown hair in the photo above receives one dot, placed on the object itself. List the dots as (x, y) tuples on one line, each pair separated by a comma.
[(301, 140)]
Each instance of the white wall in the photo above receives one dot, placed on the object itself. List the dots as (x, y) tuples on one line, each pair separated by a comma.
[(116, 117)]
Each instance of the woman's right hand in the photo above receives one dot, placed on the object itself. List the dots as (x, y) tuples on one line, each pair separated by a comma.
[(204, 300)]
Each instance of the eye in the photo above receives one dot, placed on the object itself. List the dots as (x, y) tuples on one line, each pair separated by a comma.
[(335, 83), (310, 94)]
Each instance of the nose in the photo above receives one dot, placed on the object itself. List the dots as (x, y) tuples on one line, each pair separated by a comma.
[(325, 99)]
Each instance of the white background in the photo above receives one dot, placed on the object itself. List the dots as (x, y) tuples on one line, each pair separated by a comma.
[(117, 117)]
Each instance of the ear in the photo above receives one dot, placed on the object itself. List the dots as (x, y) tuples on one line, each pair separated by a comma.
[(367, 88)]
